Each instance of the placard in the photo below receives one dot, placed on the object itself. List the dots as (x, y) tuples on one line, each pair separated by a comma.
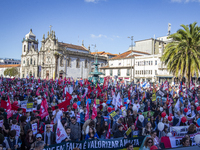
[(34, 128), (128, 131), (16, 128), (29, 107), (23, 104)]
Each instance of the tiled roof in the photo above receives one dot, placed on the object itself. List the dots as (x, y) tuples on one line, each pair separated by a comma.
[(103, 53), (72, 46), (100, 53), (11, 65), (109, 54), (125, 54)]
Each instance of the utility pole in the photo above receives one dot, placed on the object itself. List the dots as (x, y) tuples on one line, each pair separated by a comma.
[(131, 57)]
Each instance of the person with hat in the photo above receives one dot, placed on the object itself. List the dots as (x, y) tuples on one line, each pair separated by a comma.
[(38, 138)]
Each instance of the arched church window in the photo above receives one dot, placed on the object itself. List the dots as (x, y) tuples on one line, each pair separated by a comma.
[(69, 62), (31, 61), (34, 62), (86, 63), (77, 63), (24, 61), (24, 48)]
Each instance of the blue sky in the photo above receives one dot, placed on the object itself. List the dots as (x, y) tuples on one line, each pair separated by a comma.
[(106, 23)]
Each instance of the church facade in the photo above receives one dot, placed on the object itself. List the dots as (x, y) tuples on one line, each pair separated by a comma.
[(55, 59)]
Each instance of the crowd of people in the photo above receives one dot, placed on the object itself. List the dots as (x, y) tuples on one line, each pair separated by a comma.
[(85, 111)]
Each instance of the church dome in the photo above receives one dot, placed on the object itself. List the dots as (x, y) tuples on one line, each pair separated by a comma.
[(30, 35)]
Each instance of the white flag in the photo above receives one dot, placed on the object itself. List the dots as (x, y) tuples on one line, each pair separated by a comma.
[(60, 133)]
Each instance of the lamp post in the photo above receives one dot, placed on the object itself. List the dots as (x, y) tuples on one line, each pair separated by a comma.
[(131, 57)]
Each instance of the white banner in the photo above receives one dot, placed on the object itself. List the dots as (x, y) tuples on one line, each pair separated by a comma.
[(180, 130), (176, 141)]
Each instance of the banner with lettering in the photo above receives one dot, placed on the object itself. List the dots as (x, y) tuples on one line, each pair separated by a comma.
[(99, 144), (180, 130)]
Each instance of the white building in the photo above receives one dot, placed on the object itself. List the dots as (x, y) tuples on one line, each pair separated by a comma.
[(9, 61), (150, 68), (55, 59), (122, 65), (4, 67)]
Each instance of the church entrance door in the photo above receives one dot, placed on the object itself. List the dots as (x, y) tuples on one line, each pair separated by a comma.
[(47, 74)]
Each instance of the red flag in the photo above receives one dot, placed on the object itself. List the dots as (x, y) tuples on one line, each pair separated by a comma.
[(68, 97), (196, 99), (52, 90), (192, 85), (78, 97), (94, 110), (63, 106), (87, 112), (37, 92), (165, 86), (108, 133), (43, 109), (7, 106), (15, 108)]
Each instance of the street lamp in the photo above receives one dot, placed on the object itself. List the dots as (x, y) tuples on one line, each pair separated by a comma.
[(131, 57)]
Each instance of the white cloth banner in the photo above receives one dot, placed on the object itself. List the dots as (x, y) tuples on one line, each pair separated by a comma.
[(180, 130), (60, 133), (176, 141)]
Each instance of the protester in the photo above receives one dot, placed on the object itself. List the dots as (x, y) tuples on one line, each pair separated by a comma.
[(92, 134), (148, 143), (129, 146)]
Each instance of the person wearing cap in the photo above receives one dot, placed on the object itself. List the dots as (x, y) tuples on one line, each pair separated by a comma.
[(129, 146), (38, 138)]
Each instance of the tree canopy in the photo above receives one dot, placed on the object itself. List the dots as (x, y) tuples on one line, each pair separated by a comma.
[(11, 72), (182, 55)]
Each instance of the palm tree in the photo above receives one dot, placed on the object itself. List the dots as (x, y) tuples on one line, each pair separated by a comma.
[(182, 55), (56, 54)]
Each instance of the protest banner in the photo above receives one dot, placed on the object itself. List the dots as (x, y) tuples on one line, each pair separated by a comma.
[(34, 128), (173, 142), (16, 128), (29, 107), (161, 93), (180, 130), (98, 144)]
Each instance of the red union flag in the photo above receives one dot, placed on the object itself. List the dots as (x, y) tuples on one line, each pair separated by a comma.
[(165, 85), (94, 110), (60, 133), (43, 109), (191, 85), (108, 133)]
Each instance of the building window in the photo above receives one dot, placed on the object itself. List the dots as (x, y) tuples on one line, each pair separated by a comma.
[(155, 72), (155, 62), (24, 48), (128, 72), (23, 75), (34, 62), (24, 61), (119, 72), (27, 62), (31, 61), (142, 71), (111, 72), (78, 63), (138, 63), (68, 62), (151, 71), (86, 63), (151, 62)]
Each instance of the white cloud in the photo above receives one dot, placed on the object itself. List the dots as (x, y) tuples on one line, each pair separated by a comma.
[(91, 1), (185, 1), (100, 36)]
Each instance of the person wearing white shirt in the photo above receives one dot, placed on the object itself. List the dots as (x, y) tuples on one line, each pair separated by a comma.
[(137, 105), (57, 114), (71, 113)]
